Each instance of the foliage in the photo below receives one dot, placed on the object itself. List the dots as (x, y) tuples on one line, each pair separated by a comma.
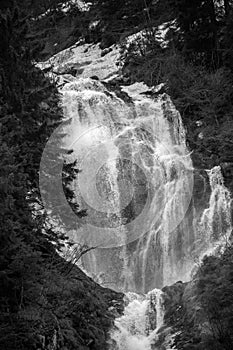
[(42, 297), (116, 19), (197, 76), (200, 312), (43, 304), (214, 287)]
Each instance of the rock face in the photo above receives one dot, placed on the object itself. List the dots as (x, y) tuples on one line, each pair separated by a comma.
[(84, 61), (184, 320)]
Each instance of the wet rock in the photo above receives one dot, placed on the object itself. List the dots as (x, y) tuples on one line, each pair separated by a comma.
[(105, 51), (69, 68), (85, 60)]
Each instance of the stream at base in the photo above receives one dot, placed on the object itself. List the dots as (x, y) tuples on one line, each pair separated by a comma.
[(137, 328)]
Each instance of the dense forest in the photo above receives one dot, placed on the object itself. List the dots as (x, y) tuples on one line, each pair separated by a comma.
[(45, 301)]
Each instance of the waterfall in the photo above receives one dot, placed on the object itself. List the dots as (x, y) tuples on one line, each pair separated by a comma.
[(136, 183), (215, 226), (137, 329)]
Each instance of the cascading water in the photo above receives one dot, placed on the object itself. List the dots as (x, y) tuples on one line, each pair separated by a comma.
[(135, 182), (214, 227), (137, 328)]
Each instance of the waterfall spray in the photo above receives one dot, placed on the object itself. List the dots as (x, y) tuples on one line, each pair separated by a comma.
[(138, 328)]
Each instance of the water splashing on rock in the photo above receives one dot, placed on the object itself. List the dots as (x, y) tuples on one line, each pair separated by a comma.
[(138, 327)]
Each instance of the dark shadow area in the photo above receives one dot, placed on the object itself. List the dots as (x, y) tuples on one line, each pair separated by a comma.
[(46, 302)]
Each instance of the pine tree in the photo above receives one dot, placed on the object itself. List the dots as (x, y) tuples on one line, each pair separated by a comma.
[(28, 244), (198, 30)]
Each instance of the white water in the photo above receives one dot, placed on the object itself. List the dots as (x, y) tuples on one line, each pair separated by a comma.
[(215, 226), (134, 331), (136, 182), (137, 328)]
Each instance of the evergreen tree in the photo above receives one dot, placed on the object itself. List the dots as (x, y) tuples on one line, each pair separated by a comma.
[(28, 244), (214, 285), (198, 30)]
